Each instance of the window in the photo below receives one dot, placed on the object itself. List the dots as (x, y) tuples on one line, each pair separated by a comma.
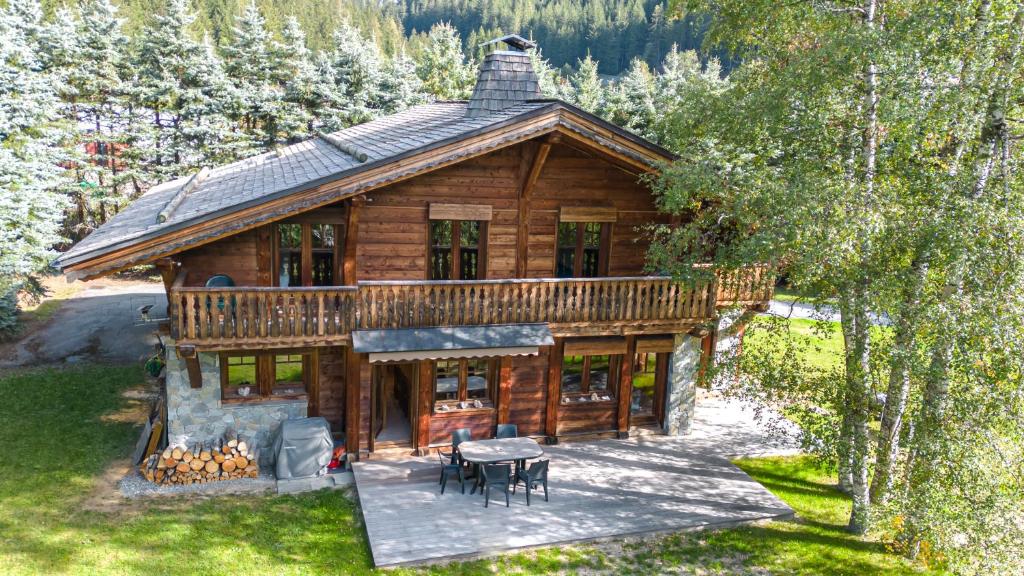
[(644, 382), (266, 375), (464, 382), (307, 254), (581, 251), (289, 245), (456, 249), (322, 246), (585, 375)]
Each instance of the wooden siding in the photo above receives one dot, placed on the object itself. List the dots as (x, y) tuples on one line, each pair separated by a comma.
[(392, 243), (480, 422), (586, 417), (236, 256), (529, 393), (332, 386)]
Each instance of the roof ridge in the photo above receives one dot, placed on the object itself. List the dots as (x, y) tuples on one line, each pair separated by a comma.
[(180, 195), (345, 147)]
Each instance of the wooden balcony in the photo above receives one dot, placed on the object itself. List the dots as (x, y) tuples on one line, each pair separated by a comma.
[(250, 317)]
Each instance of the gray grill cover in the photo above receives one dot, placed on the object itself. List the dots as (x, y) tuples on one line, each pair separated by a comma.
[(303, 448)]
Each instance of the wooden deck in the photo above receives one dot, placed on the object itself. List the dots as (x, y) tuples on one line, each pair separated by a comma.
[(599, 490)]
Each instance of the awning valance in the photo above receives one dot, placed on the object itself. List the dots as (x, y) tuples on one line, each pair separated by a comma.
[(409, 344)]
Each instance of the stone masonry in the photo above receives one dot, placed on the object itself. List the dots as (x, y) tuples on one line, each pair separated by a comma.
[(681, 393), (198, 414)]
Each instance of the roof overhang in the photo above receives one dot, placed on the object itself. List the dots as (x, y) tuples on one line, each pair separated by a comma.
[(558, 117), (451, 342)]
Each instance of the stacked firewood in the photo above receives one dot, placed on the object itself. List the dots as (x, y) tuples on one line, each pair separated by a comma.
[(221, 459)]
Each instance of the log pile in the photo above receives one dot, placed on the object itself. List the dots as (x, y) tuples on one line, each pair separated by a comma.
[(221, 459)]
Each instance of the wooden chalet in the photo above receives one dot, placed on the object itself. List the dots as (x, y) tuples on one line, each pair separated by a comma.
[(457, 264)]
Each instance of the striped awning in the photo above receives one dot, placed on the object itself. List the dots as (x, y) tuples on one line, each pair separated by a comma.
[(451, 342)]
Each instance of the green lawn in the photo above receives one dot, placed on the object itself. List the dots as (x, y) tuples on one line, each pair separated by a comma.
[(60, 428)]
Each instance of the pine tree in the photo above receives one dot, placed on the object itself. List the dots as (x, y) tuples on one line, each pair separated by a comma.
[(400, 86), (443, 67), (355, 63), (182, 85), (547, 77), (253, 64), (31, 204), (587, 90), (95, 97), (633, 106), (301, 104)]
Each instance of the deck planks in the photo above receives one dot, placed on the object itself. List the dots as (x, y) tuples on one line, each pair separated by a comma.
[(599, 489)]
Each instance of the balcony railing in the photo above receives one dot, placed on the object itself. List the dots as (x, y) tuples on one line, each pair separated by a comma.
[(255, 317)]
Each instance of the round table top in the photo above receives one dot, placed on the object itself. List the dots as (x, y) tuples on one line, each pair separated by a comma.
[(500, 450)]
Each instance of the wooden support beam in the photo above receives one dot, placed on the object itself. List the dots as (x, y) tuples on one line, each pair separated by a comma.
[(426, 406), (265, 255), (353, 361), (625, 391), (504, 389), (554, 391), (191, 358), (168, 270), (660, 385), (539, 157), (348, 270)]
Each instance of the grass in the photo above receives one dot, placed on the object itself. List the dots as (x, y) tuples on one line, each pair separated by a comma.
[(62, 427)]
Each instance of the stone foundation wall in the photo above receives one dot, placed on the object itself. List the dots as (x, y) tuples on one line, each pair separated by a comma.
[(681, 388), (198, 414)]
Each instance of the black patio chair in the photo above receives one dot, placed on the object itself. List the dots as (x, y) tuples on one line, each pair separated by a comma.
[(536, 474), (459, 436), (496, 476), (448, 466), (507, 431)]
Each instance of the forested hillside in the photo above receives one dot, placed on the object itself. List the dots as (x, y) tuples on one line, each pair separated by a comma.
[(613, 32)]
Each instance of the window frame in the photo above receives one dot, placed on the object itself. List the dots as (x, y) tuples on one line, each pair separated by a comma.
[(456, 249), (306, 225), (265, 374), (603, 248), (489, 401), (614, 364)]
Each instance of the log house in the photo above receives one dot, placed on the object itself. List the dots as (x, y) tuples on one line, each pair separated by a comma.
[(454, 265)]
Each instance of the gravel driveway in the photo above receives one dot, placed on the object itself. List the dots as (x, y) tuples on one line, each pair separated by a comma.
[(100, 322)]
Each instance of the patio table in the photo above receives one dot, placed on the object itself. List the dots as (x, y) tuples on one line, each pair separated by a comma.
[(480, 452)]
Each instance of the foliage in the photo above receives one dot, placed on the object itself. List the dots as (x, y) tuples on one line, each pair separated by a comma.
[(865, 149), (61, 517), (31, 136)]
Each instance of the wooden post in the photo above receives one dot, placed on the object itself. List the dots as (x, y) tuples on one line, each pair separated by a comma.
[(626, 386), (168, 269), (311, 365), (191, 357), (265, 255), (353, 361), (554, 390), (348, 270), (426, 400), (660, 384), (504, 389)]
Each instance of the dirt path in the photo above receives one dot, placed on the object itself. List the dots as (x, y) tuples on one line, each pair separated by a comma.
[(100, 323)]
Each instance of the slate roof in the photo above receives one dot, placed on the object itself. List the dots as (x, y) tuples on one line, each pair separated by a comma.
[(259, 179)]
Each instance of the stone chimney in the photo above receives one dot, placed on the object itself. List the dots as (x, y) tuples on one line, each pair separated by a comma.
[(506, 78)]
